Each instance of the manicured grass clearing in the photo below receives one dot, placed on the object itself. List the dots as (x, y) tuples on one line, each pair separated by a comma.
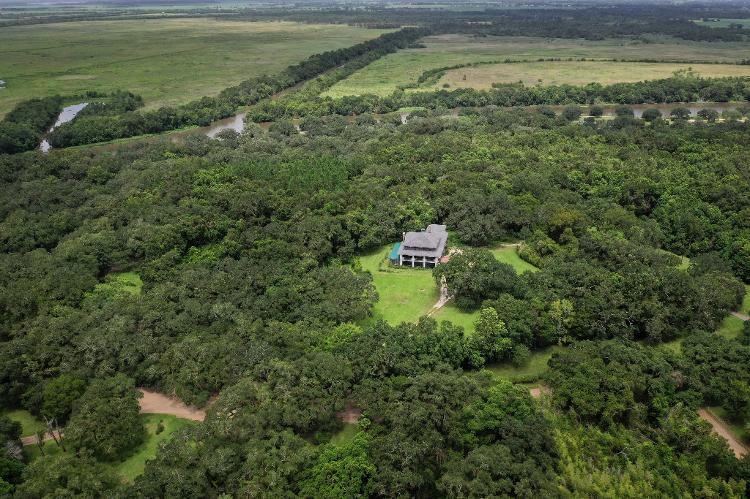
[(737, 430), (731, 327), (128, 282), (509, 255), (30, 424), (167, 61), (405, 294), (534, 368), (384, 75), (346, 434), (745, 307), (577, 73), (133, 465)]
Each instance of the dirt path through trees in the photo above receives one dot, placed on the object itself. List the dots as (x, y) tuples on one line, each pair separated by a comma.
[(740, 316), (721, 429), (158, 403)]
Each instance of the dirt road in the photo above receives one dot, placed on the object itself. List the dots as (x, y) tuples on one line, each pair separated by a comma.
[(158, 403), (740, 316), (721, 429)]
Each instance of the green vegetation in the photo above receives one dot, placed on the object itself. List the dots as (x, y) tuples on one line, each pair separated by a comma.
[(133, 464), (30, 425), (226, 272), (724, 22), (203, 56), (346, 434), (404, 67), (738, 430), (509, 254), (122, 282), (404, 294), (731, 327), (531, 371), (159, 428), (577, 73)]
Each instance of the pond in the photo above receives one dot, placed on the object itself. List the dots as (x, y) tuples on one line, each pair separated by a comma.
[(67, 114)]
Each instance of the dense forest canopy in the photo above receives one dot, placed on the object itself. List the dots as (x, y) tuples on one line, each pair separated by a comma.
[(229, 273)]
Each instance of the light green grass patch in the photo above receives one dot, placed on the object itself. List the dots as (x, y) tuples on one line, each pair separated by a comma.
[(121, 282), (405, 294), (578, 73), (167, 61), (404, 67), (509, 254), (450, 312), (534, 368), (745, 307), (134, 465), (30, 425), (731, 327), (346, 434)]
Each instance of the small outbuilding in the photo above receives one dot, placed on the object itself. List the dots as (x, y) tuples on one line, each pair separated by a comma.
[(423, 248)]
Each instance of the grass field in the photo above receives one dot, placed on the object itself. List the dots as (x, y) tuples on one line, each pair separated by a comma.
[(577, 73), (167, 61), (133, 465), (405, 66), (407, 294), (30, 425), (731, 327), (724, 23), (535, 367)]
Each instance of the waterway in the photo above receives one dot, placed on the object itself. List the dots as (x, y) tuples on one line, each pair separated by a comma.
[(66, 115)]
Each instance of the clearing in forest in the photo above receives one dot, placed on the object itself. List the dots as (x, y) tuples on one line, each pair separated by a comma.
[(203, 55), (405, 66), (577, 73)]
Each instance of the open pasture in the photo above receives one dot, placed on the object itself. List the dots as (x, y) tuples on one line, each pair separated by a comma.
[(577, 73), (405, 66), (167, 61)]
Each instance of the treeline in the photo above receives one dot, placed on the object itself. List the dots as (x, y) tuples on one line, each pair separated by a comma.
[(668, 90), (23, 127), (91, 129)]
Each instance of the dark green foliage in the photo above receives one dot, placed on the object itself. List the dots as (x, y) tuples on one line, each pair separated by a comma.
[(59, 395), (67, 475), (651, 114), (106, 419), (474, 275)]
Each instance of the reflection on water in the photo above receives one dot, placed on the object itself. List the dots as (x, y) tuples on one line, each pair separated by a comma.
[(67, 114), (236, 123)]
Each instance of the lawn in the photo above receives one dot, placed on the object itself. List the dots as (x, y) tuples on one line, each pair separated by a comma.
[(202, 55), (133, 465), (403, 67), (126, 282), (745, 307), (30, 425), (532, 371), (577, 73), (405, 294), (346, 434), (731, 327), (508, 254)]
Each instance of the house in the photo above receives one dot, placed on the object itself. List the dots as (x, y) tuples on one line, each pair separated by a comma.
[(423, 248)]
